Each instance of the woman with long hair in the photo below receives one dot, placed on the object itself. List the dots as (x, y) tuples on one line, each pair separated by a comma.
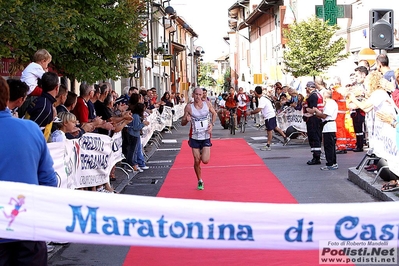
[(134, 129)]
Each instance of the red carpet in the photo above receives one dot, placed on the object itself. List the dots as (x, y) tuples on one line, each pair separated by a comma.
[(235, 173)]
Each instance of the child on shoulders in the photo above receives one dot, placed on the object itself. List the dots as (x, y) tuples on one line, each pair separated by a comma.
[(35, 70)]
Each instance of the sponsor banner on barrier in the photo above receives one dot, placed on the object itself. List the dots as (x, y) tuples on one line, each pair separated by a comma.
[(383, 140), (87, 161), (33, 212), (291, 117), (159, 121)]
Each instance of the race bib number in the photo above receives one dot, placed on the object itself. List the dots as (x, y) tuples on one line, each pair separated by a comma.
[(201, 125)]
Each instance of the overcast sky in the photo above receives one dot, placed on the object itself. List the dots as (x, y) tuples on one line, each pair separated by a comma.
[(209, 19)]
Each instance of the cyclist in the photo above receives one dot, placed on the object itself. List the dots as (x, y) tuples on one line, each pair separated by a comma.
[(242, 100), (222, 110), (231, 103)]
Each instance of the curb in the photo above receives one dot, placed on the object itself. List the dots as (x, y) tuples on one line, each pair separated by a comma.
[(364, 181)]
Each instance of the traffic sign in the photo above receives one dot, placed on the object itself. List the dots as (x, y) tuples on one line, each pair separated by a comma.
[(367, 54)]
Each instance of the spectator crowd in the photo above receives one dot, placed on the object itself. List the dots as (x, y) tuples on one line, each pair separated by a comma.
[(339, 117)]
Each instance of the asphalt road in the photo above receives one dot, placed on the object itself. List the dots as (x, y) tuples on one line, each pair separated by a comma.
[(308, 184)]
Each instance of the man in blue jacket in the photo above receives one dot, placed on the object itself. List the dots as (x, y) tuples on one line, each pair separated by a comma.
[(25, 158)]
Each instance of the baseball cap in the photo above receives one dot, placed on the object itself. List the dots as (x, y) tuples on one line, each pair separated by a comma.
[(310, 84)]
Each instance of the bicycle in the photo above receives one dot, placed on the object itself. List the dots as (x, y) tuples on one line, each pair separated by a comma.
[(232, 121), (243, 120)]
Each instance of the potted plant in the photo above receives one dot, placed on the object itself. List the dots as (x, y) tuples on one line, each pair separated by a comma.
[(160, 50)]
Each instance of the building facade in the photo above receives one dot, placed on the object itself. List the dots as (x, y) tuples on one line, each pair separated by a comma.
[(257, 41)]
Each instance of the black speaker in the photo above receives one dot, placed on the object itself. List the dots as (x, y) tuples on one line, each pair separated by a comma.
[(381, 29)]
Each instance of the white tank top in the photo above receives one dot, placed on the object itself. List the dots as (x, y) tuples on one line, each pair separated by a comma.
[(200, 122)]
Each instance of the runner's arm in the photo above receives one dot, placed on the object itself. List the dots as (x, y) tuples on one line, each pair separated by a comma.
[(186, 117), (213, 112)]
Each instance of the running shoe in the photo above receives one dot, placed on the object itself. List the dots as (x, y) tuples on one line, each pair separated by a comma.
[(200, 185), (327, 168), (266, 148), (138, 169)]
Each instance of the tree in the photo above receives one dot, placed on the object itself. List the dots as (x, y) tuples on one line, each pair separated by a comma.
[(311, 50), (205, 75), (27, 26), (89, 40)]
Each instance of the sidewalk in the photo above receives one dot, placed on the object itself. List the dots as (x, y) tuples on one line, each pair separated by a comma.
[(364, 180)]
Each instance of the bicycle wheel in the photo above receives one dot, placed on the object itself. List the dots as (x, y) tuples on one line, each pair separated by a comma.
[(234, 128), (242, 124), (231, 125)]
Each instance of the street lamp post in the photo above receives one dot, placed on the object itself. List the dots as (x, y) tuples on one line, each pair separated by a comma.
[(198, 53), (169, 11)]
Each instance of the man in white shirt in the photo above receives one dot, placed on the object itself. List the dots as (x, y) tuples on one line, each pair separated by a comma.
[(328, 117), (266, 107)]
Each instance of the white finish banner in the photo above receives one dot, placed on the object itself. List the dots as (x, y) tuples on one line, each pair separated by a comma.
[(33, 212)]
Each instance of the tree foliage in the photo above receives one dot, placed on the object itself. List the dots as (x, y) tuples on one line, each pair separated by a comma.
[(205, 75), (89, 40), (311, 50)]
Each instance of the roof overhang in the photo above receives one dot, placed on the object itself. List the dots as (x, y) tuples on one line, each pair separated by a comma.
[(186, 26), (233, 12), (239, 4), (178, 47), (265, 7), (222, 58)]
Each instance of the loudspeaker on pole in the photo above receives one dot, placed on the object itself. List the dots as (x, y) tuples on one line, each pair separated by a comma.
[(381, 25)]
